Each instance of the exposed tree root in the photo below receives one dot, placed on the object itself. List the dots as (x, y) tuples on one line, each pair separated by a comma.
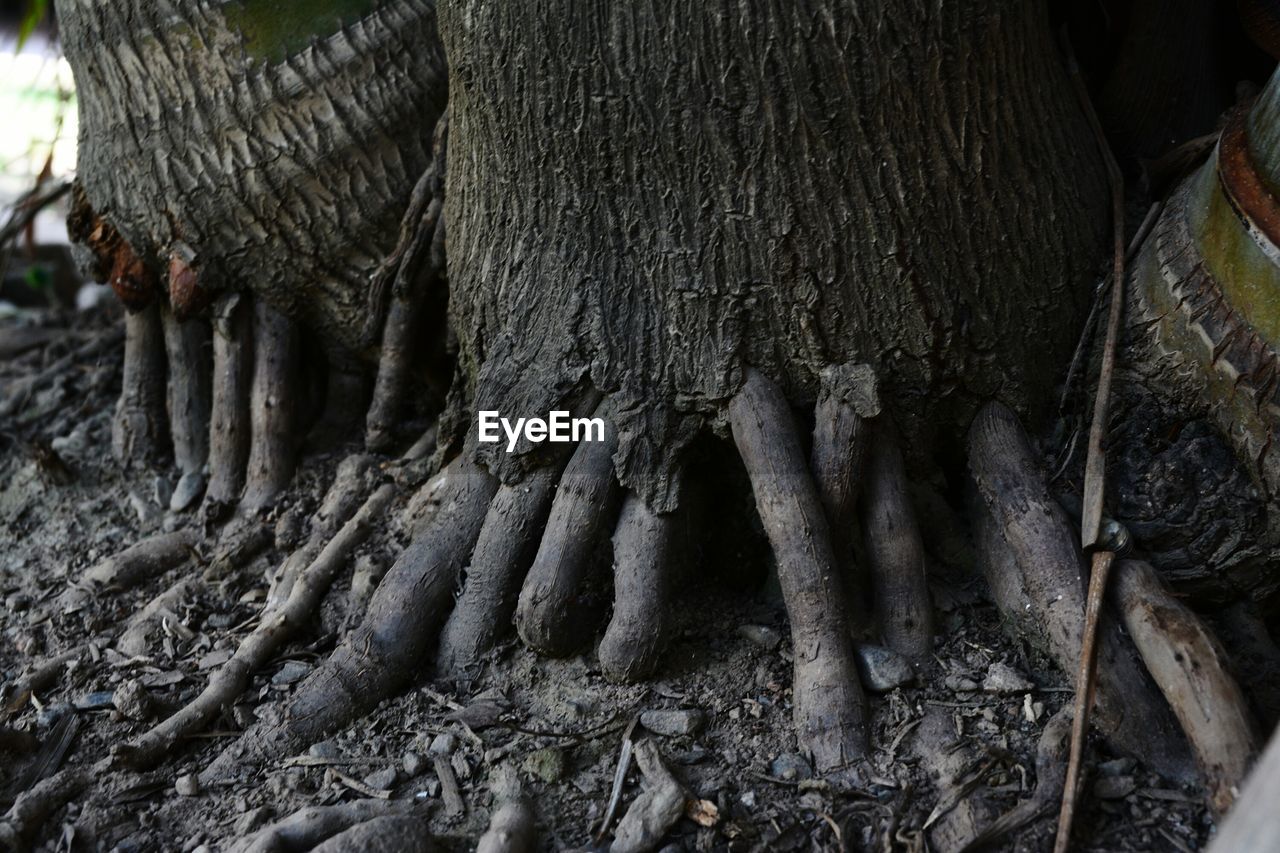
[(841, 436), (140, 428), (643, 542), (895, 551), (226, 685), (830, 710), (29, 813), (188, 350), (584, 504), (305, 829), (507, 543), (1036, 573), (391, 644), (352, 482), (418, 265), (405, 833), (229, 423), (143, 561), (271, 451), (1189, 667)]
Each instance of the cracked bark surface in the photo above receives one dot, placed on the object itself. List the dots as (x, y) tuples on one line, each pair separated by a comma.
[(278, 144), (739, 184)]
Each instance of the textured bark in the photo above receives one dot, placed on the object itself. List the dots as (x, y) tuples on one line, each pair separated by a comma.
[(830, 709), (1203, 366), (788, 186), (278, 142), (273, 404), (187, 346), (229, 426), (140, 428), (895, 552)]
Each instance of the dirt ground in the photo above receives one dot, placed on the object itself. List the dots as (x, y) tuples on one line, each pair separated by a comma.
[(65, 505)]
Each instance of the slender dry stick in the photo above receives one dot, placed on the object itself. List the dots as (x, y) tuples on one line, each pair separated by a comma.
[(1094, 476)]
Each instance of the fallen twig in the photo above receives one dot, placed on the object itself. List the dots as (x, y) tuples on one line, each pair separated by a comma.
[(1094, 473)]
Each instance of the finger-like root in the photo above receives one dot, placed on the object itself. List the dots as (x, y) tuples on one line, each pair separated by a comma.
[(390, 646), (508, 541), (229, 424), (900, 591), (140, 427), (407, 833), (1051, 774), (143, 561), (584, 503), (642, 544), (1188, 665), (34, 807), (1252, 826), (830, 710), (419, 267), (188, 350), (305, 829), (271, 454), (841, 434), (351, 484), (1035, 570), (226, 685)]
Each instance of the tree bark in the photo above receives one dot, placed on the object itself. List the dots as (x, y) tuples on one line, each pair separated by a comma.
[(786, 186), (278, 142)]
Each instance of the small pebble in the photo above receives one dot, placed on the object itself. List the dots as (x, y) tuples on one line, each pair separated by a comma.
[(190, 487), (685, 721), (1113, 787), (187, 785), (413, 764), (133, 701), (443, 744), (1003, 679), (791, 767), (882, 670), (1116, 767), (762, 635), (960, 684), (325, 749), (381, 779)]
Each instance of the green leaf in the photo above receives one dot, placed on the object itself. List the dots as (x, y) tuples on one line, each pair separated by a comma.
[(31, 19)]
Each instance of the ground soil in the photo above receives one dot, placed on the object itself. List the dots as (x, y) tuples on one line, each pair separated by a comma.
[(65, 504)]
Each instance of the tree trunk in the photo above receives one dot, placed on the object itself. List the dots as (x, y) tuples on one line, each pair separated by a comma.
[(1203, 332), (276, 142), (656, 194)]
